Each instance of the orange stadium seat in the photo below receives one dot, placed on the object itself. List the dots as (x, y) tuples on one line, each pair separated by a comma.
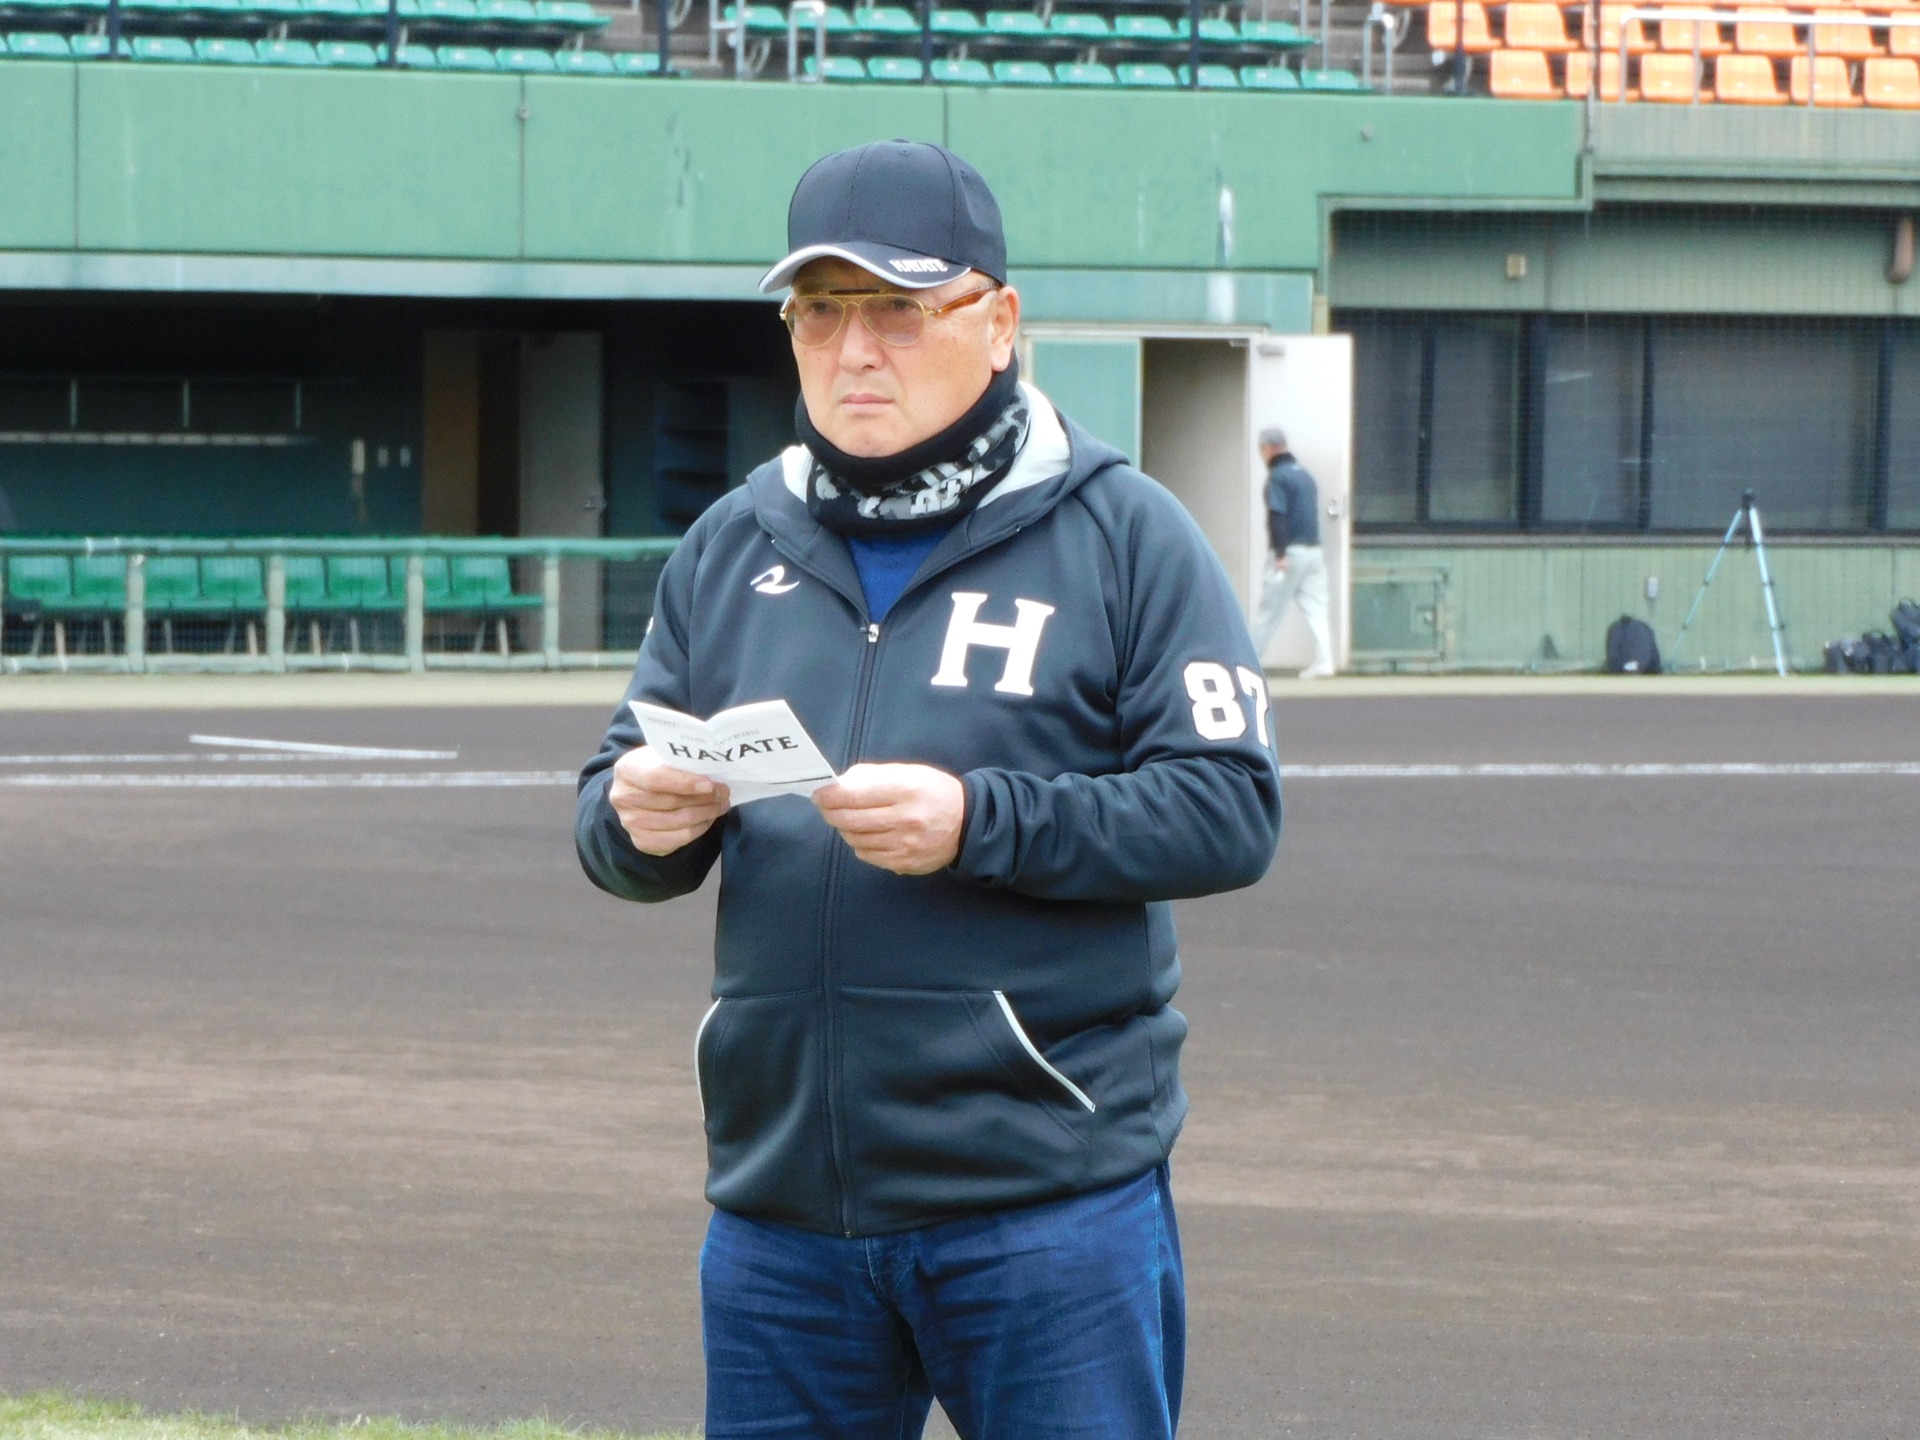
[(1841, 34), (1477, 34), (1904, 39), (1746, 80), (1669, 79), (1677, 36), (1892, 84), (1522, 75), (1832, 83), (1580, 75), (1535, 27), (1638, 42), (1766, 32)]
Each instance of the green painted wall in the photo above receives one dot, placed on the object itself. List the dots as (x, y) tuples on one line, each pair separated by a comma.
[(197, 161), (1502, 600), (1625, 259), (1097, 382)]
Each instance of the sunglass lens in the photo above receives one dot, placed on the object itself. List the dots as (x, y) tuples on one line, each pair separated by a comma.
[(814, 319), (897, 319)]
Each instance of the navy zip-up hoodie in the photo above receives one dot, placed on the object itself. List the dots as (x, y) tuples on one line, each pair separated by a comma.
[(889, 1051)]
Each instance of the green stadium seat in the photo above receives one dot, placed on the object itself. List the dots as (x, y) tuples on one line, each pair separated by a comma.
[(39, 42), (1276, 33), (173, 583), (1332, 82), (1213, 31), (575, 14), (419, 57), (761, 19), (161, 7), (636, 62), (1084, 75), (889, 20), (334, 9), (349, 54), (99, 583), (962, 72), (896, 68), (1015, 24), (454, 11), (957, 24), (1021, 72), (217, 7), (169, 49), (1268, 77), (36, 582), (90, 47), (233, 583), (276, 10), (839, 21), (484, 582), (465, 57), (222, 51), (1070, 25), (507, 12), (837, 67), (287, 52), (525, 62), (1157, 77), (583, 62), (1143, 29), (1212, 77), (362, 582)]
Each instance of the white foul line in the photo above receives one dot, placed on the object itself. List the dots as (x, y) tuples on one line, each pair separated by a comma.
[(269, 780), (309, 747), (1713, 770)]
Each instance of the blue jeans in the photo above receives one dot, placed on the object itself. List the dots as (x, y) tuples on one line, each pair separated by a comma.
[(1066, 1319)]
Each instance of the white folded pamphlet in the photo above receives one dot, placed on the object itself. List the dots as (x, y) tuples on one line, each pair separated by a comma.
[(756, 751)]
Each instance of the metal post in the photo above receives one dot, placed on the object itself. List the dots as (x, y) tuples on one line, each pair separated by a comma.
[(416, 613), (926, 42), (393, 32), (550, 610), (1459, 47), (276, 611), (1696, 66), (1813, 67), (113, 29), (1193, 44), (1766, 576), (136, 617), (665, 13)]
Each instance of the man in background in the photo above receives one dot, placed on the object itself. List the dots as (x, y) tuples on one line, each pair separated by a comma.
[(1296, 567)]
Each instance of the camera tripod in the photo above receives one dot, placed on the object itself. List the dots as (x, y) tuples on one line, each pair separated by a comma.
[(1748, 515)]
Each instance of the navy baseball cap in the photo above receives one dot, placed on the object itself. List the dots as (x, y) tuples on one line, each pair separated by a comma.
[(914, 214)]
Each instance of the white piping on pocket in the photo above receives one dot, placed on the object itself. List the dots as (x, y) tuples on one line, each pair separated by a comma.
[(699, 1093), (1020, 1034)]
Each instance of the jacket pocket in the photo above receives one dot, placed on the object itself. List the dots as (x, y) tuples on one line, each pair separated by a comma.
[(762, 1093), (1033, 1052)]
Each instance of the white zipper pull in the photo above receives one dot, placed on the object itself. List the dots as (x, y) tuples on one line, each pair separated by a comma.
[(873, 634)]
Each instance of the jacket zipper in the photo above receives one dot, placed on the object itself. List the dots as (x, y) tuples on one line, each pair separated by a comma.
[(829, 938)]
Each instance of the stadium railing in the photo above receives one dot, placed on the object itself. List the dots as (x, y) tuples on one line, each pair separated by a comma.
[(273, 593)]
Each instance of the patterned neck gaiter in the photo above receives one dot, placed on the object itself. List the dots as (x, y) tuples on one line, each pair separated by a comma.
[(933, 483)]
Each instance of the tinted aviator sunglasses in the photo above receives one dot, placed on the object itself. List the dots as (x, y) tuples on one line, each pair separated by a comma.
[(898, 319)]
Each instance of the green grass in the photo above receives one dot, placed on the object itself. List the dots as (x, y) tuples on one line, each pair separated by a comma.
[(49, 1415)]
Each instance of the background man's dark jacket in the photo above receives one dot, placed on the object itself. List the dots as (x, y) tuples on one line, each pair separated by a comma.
[(1293, 505), (889, 1051)]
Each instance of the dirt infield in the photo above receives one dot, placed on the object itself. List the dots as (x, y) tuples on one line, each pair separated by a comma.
[(1530, 1105)]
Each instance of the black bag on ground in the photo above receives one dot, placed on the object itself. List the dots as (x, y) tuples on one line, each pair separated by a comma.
[(1906, 628), (1884, 654), (1631, 648)]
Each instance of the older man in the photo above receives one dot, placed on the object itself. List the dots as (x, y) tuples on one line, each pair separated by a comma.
[(940, 1077), (1296, 566)]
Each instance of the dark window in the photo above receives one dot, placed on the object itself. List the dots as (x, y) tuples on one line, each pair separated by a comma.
[(1590, 417), (34, 405), (1386, 418), (240, 407), (1783, 410), (1473, 475), (1903, 431)]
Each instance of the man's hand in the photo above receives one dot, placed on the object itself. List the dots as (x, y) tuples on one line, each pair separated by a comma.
[(1276, 562), (663, 809), (903, 818)]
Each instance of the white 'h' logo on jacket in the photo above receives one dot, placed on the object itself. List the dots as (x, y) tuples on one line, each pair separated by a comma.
[(1021, 641)]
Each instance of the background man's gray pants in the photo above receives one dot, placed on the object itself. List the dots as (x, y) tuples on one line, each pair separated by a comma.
[(1304, 579)]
